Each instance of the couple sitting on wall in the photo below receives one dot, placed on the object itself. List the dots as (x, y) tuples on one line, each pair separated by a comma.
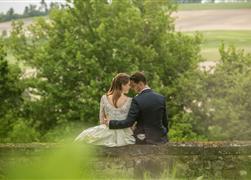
[(124, 120)]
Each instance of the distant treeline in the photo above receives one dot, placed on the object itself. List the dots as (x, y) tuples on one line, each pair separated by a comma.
[(30, 11)]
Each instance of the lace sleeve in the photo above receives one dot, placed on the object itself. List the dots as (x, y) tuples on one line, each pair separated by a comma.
[(101, 111)]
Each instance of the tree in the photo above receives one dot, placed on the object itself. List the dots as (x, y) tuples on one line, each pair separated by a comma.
[(29, 11), (26, 11), (83, 46), (218, 104), (10, 15), (43, 6), (54, 5), (12, 126), (10, 12)]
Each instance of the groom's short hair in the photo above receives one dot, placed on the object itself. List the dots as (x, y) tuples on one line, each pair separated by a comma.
[(138, 77)]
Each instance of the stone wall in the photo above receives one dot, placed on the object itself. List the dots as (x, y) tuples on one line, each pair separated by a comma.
[(214, 160), (189, 160)]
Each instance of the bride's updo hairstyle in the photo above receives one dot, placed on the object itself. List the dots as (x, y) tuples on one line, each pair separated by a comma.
[(116, 87)]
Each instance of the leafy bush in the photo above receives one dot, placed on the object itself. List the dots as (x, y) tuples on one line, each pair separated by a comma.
[(22, 132), (10, 94), (219, 102)]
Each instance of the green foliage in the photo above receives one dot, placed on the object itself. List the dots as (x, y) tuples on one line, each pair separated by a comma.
[(64, 133), (219, 102), (183, 128), (22, 132), (10, 93), (67, 162), (80, 49)]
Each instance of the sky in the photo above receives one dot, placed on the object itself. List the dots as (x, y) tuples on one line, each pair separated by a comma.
[(19, 5)]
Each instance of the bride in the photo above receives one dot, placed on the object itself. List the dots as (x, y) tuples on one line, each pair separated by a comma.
[(113, 105)]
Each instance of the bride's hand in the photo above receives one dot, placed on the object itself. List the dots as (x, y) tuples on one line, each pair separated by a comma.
[(134, 126), (106, 121)]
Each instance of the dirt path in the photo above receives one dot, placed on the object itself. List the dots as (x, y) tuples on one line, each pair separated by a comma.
[(200, 20), (197, 20), (7, 25)]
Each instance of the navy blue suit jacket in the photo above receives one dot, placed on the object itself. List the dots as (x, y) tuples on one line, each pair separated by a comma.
[(149, 110)]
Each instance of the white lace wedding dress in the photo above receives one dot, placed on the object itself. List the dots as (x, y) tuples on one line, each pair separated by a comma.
[(101, 134)]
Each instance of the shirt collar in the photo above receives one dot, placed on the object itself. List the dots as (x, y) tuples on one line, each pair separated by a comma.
[(147, 87)]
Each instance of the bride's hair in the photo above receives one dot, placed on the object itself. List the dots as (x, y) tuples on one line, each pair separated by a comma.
[(116, 87)]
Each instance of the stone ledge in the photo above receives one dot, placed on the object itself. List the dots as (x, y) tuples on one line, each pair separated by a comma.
[(186, 148), (212, 160), (171, 148)]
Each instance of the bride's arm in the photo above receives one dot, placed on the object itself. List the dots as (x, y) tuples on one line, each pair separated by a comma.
[(101, 112)]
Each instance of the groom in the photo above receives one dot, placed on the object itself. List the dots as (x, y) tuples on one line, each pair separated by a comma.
[(148, 109)]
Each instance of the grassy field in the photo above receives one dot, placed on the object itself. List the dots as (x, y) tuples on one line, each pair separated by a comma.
[(198, 6), (213, 39), (241, 39)]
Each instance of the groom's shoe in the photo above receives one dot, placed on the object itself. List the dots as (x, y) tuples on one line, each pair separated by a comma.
[(138, 141)]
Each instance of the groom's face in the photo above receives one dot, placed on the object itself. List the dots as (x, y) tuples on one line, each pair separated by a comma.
[(135, 86)]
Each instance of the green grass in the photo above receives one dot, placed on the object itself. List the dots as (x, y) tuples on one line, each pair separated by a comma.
[(213, 39), (198, 6)]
